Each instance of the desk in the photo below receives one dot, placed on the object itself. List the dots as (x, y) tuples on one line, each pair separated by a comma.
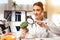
[(55, 38)]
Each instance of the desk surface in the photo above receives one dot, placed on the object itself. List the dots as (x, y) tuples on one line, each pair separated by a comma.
[(55, 38)]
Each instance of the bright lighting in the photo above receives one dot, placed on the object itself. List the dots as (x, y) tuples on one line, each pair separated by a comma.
[(55, 2), (3, 1), (28, 1), (56, 19)]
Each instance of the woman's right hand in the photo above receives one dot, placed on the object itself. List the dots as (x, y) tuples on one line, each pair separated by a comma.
[(23, 33)]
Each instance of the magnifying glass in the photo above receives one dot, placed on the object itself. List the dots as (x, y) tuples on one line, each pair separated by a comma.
[(30, 20)]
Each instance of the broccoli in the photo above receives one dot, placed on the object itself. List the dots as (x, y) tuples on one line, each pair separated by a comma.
[(24, 24)]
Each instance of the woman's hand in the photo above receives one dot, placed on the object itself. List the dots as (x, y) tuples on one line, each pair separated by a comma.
[(39, 22), (23, 33), (42, 24)]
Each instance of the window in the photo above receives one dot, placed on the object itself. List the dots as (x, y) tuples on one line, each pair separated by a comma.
[(8, 15), (18, 16), (18, 28), (9, 28)]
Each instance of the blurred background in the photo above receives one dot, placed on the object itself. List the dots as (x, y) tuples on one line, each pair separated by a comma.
[(16, 11)]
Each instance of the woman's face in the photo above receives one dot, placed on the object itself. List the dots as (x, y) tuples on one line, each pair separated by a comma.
[(37, 12)]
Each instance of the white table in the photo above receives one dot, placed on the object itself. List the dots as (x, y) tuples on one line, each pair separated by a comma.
[(55, 38)]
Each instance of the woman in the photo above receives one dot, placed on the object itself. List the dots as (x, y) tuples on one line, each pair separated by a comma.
[(39, 29)]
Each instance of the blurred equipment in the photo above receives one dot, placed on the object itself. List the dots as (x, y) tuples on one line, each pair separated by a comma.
[(2, 24)]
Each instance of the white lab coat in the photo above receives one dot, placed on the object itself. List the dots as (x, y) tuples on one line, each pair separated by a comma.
[(53, 27), (36, 31)]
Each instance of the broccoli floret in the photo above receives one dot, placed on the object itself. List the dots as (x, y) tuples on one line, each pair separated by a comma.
[(24, 24)]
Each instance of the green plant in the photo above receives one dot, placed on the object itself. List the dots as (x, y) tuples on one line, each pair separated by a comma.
[(24, 24)]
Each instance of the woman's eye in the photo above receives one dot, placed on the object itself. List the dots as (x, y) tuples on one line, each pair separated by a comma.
[(38, 10), (33, 9)]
